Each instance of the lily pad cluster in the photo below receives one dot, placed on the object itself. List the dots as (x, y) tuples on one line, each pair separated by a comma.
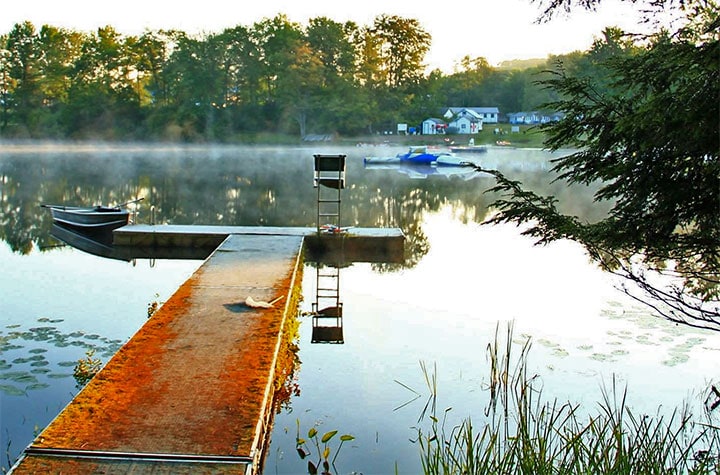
[(29, 359)]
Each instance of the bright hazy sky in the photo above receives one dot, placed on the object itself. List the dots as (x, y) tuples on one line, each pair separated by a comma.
[(494, 29)]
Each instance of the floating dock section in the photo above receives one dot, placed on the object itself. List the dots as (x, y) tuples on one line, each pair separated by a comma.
[(192, 391)]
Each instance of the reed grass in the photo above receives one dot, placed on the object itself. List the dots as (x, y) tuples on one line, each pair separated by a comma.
[(523, 433)]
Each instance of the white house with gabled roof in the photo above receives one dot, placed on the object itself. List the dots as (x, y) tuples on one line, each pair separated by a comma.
[(464, 121), (489, 115)]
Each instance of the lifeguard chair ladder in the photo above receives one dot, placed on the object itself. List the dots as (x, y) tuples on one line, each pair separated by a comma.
[(329, 179), (327, 310)]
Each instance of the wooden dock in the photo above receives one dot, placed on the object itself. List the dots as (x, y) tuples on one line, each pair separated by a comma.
[(192, 391)]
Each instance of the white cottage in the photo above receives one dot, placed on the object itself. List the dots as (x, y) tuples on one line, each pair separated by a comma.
[(489, 115), (466, 121)]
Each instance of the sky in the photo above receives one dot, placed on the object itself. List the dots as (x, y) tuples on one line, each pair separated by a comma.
[(496, 30)]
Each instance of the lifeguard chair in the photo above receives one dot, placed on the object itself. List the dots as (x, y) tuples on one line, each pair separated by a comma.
[(329, 179)]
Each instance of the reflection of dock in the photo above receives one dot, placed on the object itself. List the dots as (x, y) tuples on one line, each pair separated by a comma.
[(198, 242), (192, 391), (357, 244)]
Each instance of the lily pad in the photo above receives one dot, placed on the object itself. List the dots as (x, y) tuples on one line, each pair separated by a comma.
[(676, 359), (59, 375), (20, 377), (10, 347), (9, 390)]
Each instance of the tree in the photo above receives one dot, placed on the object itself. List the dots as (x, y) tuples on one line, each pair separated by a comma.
[(7, 83), (340, 104), (300, 87), (403, 46), (24, 73), (551, 7), (648, 131)]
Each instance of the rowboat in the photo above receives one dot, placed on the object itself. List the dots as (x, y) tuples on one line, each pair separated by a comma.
[(95, 217)]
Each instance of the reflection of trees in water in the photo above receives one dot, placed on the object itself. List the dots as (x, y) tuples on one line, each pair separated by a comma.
[(236, 186), (26, 363)]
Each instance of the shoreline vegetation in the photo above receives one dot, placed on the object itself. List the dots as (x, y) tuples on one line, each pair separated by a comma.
[(275, 81), (524, 432)]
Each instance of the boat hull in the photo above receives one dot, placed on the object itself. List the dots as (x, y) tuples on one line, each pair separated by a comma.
[(96, 218)]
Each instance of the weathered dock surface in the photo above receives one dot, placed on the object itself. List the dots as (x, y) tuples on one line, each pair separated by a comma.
[(192, 390)]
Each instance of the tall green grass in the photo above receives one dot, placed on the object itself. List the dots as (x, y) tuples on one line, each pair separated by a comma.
[(523, 433)]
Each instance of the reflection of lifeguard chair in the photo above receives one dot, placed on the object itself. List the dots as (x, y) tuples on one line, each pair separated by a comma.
[(329, 179), (327, 310)]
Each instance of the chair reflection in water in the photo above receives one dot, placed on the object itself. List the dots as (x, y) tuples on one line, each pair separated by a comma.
[(327, 310)]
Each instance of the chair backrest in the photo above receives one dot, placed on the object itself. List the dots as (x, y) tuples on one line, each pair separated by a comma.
[(329, 163)]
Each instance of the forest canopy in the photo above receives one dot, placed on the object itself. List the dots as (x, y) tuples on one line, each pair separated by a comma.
[(277, 76)]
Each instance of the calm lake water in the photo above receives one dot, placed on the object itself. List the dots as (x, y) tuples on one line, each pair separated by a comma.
[(438, 310)]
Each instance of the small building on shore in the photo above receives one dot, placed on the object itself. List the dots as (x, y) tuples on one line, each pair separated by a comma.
[(433, 126)]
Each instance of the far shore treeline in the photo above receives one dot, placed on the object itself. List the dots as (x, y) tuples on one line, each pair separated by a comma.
[(236, 85)]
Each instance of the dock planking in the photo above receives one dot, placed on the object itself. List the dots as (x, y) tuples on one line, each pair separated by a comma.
[(192, 391)]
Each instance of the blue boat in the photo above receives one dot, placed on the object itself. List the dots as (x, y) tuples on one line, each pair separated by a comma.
[(421, 155)]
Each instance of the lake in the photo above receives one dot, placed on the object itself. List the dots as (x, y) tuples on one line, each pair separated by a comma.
[(432, 316)]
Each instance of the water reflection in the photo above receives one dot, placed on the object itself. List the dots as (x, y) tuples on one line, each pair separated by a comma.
[(101, 244), (262, 186), (327, 309), (244, 186), (423, 171)]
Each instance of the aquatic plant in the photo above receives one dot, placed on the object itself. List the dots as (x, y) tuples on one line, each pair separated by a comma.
[(305, 449), (153, 306), (524, 433), (86, 368)]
